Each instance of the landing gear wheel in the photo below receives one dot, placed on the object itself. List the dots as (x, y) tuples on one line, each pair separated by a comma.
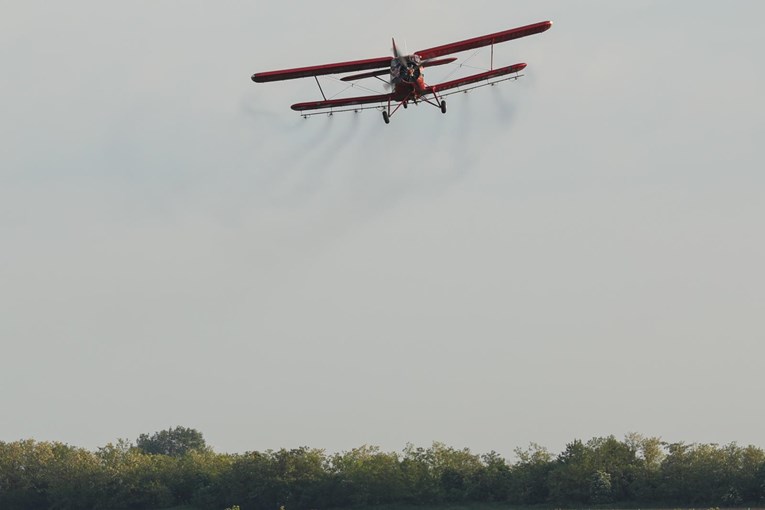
[(404, 104), (386, 118), (443, 106)]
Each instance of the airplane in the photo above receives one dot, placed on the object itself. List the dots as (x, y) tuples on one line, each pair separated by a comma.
[(406, 77)]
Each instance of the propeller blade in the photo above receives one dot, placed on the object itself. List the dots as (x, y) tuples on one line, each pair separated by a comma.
[(401, 58)]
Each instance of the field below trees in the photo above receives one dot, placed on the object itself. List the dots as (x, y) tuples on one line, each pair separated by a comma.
[(505, 506), (175, 469)]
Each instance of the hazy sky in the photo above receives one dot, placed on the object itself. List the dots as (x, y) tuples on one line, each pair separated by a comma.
[(576, 254)]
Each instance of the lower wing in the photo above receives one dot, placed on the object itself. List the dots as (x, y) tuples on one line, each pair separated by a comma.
[(474, 78), (346, 101), (381, 98)]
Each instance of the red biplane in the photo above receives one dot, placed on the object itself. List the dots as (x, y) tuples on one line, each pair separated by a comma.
[(406, 74)]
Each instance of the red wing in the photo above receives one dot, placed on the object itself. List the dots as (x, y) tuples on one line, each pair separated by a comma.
[(346, 101), (485, 40), (443, 61), (304, 72), (370, 74), (459, 82)]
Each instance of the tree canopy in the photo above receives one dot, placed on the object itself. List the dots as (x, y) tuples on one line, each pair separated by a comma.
[(174, 442), (175, 467)]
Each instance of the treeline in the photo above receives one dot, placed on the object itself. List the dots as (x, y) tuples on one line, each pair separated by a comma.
[(175, 467)]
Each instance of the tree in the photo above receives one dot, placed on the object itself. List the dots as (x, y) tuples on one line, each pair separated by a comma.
[(601, 490), (701, 474), (74, 478), (529, 482), (175, 442), (420, 481), (619, 460), (647, 470), (440, 473), (492, 483), (366, 476), (569, 478), (24, 474), (197, 477), (133, 479), (572, 477), (456, 470), (290, 478)]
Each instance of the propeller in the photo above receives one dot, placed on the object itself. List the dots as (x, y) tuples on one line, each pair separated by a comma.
[(404, 61), (398, 56)]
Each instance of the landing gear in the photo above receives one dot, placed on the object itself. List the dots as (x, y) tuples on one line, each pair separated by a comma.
[(443, 106), (388, 112)]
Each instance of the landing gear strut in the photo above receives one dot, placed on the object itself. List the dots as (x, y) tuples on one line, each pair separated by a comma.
[(388, 113)]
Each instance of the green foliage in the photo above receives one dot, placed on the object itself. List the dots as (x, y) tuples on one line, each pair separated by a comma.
[(636, 472), (710, 474), (441, 474), (24, 474), (529, 483), (175, 442), (492, 479), (601, 489), (133, 479), (366, 476), (291, 478), (73, 477)]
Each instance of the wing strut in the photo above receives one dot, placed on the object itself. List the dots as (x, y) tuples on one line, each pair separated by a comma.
[(320, 89)]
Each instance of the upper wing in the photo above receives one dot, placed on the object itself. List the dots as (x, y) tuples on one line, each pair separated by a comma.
[(459, 82), (485, 40), (340, 67), (346, 101), (370, 74)]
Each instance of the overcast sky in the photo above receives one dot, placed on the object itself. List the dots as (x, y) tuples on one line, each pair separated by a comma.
[(575, 254)]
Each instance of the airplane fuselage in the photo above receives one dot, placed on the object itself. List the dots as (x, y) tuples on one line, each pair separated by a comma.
[(407, 77)]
